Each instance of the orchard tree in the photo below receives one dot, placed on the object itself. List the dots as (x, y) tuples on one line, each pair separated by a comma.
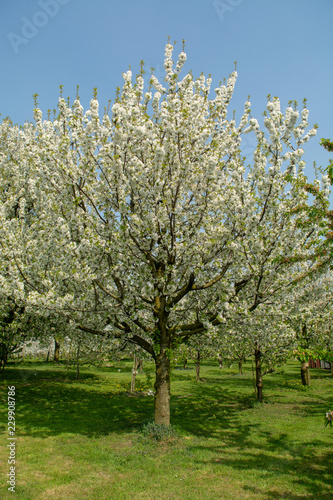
[(233, 347), (328, 214), (18, 325), (311, 317), (11, 327), (196, 348), (146, 221), (80, 348), (264, 334), (322, 212)]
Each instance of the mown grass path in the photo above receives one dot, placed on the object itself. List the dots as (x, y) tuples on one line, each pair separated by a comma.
[(83, 439)]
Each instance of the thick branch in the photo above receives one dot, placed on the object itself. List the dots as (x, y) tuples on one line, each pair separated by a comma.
[(93, 331), (142, 343), (187, 288)]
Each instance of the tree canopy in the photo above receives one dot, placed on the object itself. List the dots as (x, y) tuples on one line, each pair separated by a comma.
[(150, 221)]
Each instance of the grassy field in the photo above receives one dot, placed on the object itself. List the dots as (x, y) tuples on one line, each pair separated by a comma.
[(84, 439)]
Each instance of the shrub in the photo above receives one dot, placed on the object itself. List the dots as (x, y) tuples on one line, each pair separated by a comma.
[(159, 432)]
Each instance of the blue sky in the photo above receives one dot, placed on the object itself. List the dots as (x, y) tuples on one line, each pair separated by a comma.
[(282, 47)]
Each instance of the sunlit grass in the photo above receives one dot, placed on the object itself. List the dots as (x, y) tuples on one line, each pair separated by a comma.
[(83, 439)]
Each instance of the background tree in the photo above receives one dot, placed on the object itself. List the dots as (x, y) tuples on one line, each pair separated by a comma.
[(196, 348), (311, 319), (11, 328)]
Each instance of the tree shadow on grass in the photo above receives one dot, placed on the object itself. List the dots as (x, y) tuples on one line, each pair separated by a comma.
[(224, 399), (52, 402), (278, 458), (217, 412)]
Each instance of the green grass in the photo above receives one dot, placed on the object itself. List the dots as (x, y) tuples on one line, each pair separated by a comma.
[(84, 439)]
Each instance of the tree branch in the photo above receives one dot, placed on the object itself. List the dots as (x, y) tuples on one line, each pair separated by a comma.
[(187, 288), (213, 281), (118, 299), (142, 343)]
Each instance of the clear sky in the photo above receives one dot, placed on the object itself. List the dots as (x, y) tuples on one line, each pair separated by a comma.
[(282, 47)]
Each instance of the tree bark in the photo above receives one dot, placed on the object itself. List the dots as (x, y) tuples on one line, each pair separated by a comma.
[(305, 374), (198, 365), (162, 389), (3, 355), (259, 382), (308, 378), (78, 362), (136, 364), (240, 367), (162, 360), (56, 351)]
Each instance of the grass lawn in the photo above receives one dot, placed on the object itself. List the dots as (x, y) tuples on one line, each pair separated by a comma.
[(83, 439)]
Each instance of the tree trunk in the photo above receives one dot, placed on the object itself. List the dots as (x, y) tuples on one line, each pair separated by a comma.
[(48, 355), (162, 360), (240, 367), (305, 374), (185, 364), (136, 364), (78, 362), (3, 355), (308, 378), (56, 351), (198, 365), (162, 389), (259, 382)]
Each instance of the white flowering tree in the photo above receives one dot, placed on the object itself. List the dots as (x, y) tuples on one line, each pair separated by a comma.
[(20, 324), (10, 327), (196, 348), (149, 222), (265, 335), (311, 318)]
